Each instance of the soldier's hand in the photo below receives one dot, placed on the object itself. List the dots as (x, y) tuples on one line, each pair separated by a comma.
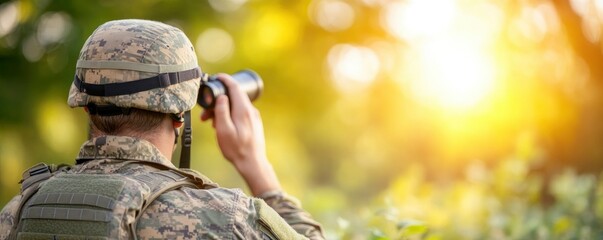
[(240, 135)]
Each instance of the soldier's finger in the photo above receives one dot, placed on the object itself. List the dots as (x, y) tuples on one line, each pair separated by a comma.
[(240, 103), (222, 120)]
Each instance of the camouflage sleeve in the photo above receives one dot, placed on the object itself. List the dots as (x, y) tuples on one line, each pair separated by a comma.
[(221, 213), (289, 208), (7, 217), (217, 213)]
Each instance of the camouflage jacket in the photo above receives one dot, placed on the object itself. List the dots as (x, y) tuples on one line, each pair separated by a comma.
[(185, 213)]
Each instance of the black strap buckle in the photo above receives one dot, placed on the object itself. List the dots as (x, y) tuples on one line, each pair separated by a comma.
[(38, 169)]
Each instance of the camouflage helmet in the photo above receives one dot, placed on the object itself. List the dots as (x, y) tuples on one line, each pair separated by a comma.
[(136, 64)]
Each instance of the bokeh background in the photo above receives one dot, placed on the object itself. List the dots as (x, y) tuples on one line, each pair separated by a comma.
[(389, 119)]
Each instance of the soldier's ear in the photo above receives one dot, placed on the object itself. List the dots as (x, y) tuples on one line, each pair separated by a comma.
[(177, 124)]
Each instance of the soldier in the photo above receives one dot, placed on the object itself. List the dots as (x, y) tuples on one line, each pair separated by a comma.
[(136, 79)]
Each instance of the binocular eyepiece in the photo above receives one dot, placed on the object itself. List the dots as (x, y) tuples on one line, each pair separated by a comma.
[(249, 81)]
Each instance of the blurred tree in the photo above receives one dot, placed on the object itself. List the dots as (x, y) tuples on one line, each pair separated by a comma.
[(587, 148)]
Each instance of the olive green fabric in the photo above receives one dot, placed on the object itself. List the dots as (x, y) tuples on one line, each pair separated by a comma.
[(94, 206), (43, 236), (65, 227), (272, 224), (68, 213), (106, 185), (87, 199), (73, 204)]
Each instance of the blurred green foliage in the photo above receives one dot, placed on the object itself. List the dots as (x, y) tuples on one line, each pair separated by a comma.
[(371, 110), (499, 203)]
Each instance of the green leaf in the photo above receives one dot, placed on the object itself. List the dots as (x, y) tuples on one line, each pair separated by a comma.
[(411, 227), (407, 223), (562, 225), (377, 234)]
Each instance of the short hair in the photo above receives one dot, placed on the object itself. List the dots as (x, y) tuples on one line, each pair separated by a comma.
[(138, 121)]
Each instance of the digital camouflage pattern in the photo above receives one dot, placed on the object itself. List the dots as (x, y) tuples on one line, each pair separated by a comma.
[(128, 50), (186, 213), (8, 216)]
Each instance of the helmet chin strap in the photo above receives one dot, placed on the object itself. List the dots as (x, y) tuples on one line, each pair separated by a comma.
[(187, 139)]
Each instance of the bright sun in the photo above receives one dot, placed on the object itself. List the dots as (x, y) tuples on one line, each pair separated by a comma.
[(453, 75), (449, 58)]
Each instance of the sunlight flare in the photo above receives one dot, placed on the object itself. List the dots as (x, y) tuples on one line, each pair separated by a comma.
[(449, 58), (454, 76), (352, 67)]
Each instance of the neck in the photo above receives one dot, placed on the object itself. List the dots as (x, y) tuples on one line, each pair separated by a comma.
[(164, 138), (161, 142)]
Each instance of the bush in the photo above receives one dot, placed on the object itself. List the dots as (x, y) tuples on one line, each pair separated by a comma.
[(499, 203)]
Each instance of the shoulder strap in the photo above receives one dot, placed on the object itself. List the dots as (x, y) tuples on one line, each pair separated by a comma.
[(198, 179), (273, 225), (164, 181), (30, 183), (39, 173)]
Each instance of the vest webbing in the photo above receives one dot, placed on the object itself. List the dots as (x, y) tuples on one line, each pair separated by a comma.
[(66, 207)]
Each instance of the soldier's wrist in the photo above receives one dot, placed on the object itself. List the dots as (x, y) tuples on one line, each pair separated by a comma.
[(259, 176), (276, 197), (272, 194)]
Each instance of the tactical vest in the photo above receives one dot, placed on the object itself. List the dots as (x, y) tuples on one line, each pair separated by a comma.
[(57, 204)]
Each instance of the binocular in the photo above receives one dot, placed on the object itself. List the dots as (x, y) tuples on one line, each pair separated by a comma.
[(249, 81)]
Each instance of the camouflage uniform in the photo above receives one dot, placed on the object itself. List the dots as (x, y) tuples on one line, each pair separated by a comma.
[(187, 213), (129, 50)]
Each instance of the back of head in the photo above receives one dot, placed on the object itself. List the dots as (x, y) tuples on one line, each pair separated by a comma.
[(130, 73)]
